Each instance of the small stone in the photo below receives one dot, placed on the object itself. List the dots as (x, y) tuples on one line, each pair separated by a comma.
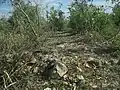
[(54, 89), (35, 70), (80, 77), (90, 58), (29, 68), (46, 83), (65, 83), (86, 65), (76, 57), (61, 46), (47, 88), (93, 63), (80, 69), (65, 76), (93, 86), (61, 69), (74, 85), (33, 60)]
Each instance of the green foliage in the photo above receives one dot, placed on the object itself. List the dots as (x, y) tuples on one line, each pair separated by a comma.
[(4, 26), (19, 19), (77, 17), (116, 14), (23, 28), (84, 17), (56, 19)]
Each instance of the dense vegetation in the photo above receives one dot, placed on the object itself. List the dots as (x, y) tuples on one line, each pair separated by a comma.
[(30, 31)]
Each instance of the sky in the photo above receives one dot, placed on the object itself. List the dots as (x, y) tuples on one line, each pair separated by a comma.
[(6, 7)]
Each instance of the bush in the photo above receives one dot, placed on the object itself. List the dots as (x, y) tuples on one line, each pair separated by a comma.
[(56, 19)]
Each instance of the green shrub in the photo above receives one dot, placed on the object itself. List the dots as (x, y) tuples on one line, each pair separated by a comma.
[(56, 19)]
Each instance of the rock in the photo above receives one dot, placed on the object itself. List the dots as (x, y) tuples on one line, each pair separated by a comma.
[(86, 65), (93, 63), (62, 45), (35, 69), (9, 58), (90, 58), (74, 86), (54, 89), (47, 88), (79, 69), (65, 76), (61, 69), (33, 60), (29, 68), (93, 86), (114, 61), (80, 77)]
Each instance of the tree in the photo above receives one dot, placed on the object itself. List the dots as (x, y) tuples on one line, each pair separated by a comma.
[(84, 17), (56, 19), (116, 14), (25, 15)]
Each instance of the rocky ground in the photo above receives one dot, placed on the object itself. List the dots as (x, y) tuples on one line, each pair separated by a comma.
[(63, 62)]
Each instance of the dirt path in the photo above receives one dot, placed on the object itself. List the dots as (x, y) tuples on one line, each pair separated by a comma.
[(62, 62)]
